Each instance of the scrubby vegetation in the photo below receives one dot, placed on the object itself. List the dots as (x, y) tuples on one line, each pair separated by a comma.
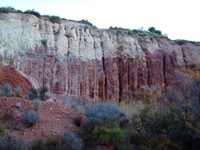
[(6, 90), (73, 142), (182, 42), (85, 21), (18, 92), (31, 117), (47, 144), (11, 144), (36, 103), (70, 141), (55, 19), (1, 129), (40, 94), (77, 121), (33, 12), (9, 10)]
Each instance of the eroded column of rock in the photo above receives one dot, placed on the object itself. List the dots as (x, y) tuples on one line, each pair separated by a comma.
[(123, 78), (155, 69), (132, 78), (111, 78), (169, 68), (46, 68)]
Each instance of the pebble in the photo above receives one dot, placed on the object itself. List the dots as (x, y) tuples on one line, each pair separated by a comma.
[(50, 108), (18, 105)]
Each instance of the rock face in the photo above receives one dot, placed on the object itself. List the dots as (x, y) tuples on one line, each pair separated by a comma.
[(16, 79), (75, 59)]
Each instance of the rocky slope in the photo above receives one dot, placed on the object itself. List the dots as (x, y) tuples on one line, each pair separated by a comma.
[(55, 119), (75, 59)]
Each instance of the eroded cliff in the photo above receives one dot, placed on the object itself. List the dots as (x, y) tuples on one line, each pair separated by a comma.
[(75, 59)]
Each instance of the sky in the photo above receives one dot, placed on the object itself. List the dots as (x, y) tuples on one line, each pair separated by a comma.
[(179, 19)]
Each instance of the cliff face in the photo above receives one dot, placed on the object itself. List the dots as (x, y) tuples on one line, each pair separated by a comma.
[(75, 59)]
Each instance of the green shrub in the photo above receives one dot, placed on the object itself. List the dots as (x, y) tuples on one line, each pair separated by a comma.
[(44, 42), (85, 21), (110, 28), (36, 103), (31, 117), (6, 90), (102, 113), (158, 32), (121, 47), (32, 94), (161, 121), (72, 141), (109, 134), (169, 122), (182, 42), (153, 30), (40, 93), (151, 141), (55, 19), (7, 114), (77, 121), (47, 144), (2, 131), (9, 10), (37, 14), (18, 92), (11, 144)]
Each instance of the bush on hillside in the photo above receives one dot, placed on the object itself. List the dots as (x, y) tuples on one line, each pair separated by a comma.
[(55, 19), (109, 134), (11, 144), (153, 30), (31, 117), (48, 144), (36, 103), (32, 94), (6, 90), (77, 121), (121, 47), (40, 93), (37, 14), (72, 141), (2, 131), (102, 113), (9, 10), (169, 122), (18, 92)]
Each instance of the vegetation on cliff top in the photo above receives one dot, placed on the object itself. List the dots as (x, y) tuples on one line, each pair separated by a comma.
[(152, 32)]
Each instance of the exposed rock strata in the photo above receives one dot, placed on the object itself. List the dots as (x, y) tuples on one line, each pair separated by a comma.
[(15, 78), (75, 59)]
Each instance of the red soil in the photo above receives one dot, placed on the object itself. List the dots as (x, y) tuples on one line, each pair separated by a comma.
[(55, 119)]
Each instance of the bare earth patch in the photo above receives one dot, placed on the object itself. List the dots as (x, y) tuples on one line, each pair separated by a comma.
[(55, 119)]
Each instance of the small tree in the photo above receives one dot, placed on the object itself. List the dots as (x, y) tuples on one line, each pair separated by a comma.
[(151, 29)]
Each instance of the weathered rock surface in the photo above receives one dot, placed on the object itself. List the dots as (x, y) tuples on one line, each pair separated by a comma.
[(15, 78), (75, 59)]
